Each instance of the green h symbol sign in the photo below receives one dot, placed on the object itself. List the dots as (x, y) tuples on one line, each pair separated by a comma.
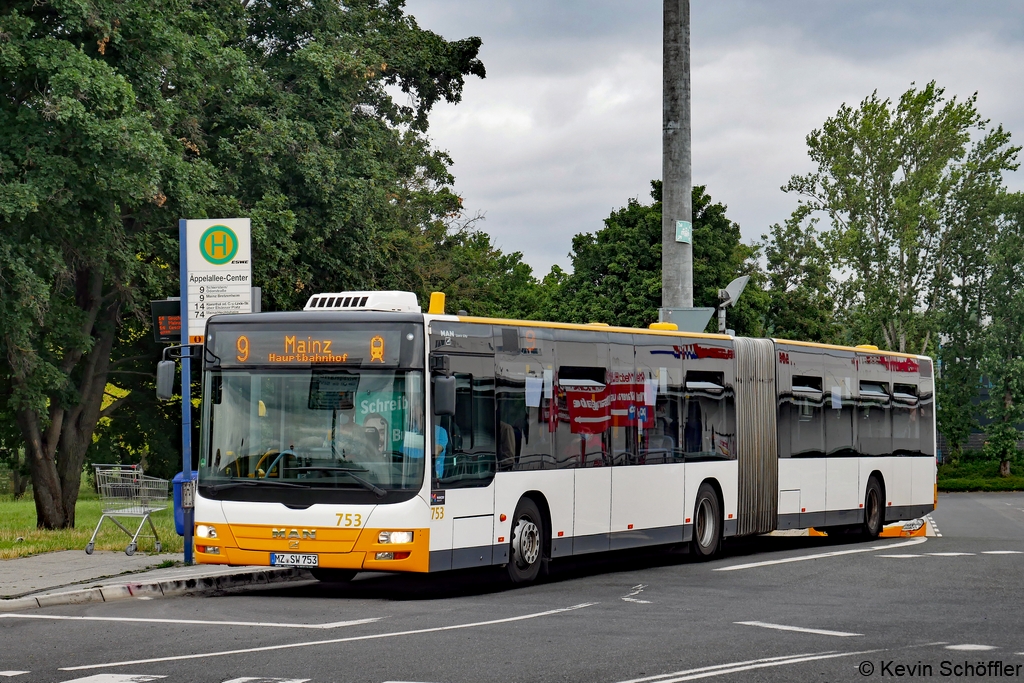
[(219, 244)]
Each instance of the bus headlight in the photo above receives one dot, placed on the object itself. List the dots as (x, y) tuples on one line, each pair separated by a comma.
[(204, 531), (395, 537)]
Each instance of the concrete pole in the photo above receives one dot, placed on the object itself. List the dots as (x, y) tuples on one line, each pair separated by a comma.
[(676, 257)]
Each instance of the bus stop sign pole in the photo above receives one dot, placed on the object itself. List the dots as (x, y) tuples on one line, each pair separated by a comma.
[(186, 398)]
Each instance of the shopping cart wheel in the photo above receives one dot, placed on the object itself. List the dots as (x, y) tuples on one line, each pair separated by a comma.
[(89, 548), (130, 550), (157, 546)]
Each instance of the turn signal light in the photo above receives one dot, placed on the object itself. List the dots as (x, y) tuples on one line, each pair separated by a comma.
[(391, 556)]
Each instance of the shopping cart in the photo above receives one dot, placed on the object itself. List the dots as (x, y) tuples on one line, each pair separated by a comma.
[(126, 492)]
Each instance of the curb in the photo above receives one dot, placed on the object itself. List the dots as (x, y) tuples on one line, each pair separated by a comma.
[(168, 587)]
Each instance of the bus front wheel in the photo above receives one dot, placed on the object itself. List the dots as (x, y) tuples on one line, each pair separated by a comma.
[(526, 546), (707, 523)]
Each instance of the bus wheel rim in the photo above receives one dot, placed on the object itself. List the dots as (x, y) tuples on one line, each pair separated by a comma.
[(526, 543), (705, 525)]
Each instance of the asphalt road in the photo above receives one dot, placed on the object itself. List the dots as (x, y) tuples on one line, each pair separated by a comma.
[(770, 609)]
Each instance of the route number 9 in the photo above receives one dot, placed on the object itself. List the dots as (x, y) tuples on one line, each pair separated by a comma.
[(531, 340), (242, 346)]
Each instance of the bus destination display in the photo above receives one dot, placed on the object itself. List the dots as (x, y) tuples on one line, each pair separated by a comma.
[(367, 347)]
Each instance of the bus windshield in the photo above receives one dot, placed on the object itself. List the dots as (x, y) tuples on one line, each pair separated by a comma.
[(315, 428)]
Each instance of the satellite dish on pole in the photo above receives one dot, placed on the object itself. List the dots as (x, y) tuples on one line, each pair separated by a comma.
[(732, 291), (728, 297)]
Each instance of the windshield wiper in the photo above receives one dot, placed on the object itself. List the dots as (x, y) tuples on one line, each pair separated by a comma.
[(369, 486), (256, 482)]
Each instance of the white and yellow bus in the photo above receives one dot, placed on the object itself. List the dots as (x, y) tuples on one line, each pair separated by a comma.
[(361, 434)]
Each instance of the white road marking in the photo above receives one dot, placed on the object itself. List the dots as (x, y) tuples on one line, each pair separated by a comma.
[(375, 636), (948, 554), (11, 674), (970, 647), (799, 629), (56, 617), (900, 556), (723, 669), (117, 678), (645, 679), (1001, 552), (637, 590), (837, 553), (259, 679)]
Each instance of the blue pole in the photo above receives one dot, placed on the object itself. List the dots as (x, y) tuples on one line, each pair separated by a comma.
[(186, 391)]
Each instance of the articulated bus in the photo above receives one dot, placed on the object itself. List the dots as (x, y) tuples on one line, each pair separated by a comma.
[(361, 434)]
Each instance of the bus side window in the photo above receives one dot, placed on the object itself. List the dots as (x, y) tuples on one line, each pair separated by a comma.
[(839, 403), (805, 423), (874, 419), (469, 459), (906, 420), (709, 415)]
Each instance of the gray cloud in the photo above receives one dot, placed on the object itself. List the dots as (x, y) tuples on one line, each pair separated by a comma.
[(567, 125)]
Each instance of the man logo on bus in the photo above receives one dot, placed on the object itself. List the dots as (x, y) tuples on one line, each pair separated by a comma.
[(218, 245), (377, 349)]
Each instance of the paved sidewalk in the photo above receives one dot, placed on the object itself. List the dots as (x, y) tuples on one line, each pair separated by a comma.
[(71, 576), (26, 575)]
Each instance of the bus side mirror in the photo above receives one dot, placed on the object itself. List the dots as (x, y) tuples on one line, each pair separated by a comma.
[(444, 395), (165, 379)]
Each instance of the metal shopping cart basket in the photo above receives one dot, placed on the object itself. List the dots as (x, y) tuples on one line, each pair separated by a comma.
[(126, 492)]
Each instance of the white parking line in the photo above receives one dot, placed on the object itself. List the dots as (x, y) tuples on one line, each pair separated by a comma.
[(970, 647), (948, 554), (1001, 552), (900, 556), (55, 617), (836, 553), (799, 629), (724, 669), (11, 674), (288, 646), (259, 679)]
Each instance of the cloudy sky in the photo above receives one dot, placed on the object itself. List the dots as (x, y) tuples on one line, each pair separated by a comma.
[(567, 125)]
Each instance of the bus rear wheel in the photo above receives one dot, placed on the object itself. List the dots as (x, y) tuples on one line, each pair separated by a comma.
[(874, 510), (707, 523), (333, 575), (526, 546)]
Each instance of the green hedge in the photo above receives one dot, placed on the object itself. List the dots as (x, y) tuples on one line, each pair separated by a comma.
[(980, 476)]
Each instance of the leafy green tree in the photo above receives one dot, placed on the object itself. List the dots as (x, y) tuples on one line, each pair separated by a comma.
[(900, 185), (799, 282), (1003, 359), (616, 274), (91, 170), (119, 116)]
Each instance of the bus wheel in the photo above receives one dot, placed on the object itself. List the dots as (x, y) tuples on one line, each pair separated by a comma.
[(707, 523), (874, 510), (333, 575), (527, 543)]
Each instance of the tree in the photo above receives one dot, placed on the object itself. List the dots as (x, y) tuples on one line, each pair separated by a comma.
[(117, 117), (616, 274), (800, 301), (1003, 359), (901, 185)]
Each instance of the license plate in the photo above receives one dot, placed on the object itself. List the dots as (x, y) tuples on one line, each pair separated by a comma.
[(294, 560)]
